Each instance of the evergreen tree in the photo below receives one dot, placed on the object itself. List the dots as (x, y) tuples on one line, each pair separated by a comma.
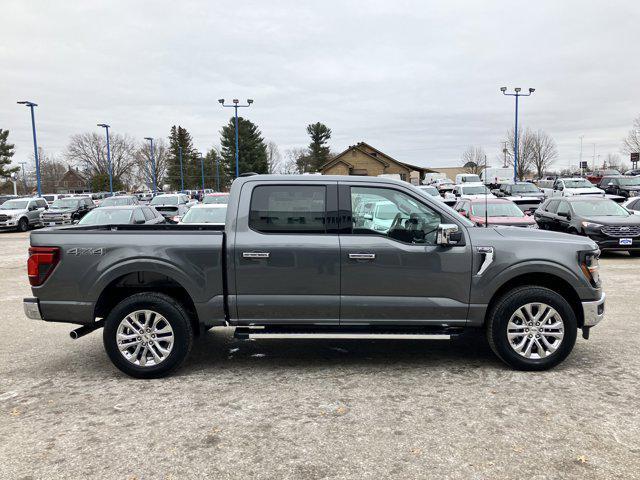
[(318, 150), (6, 152), (252, 149), (180, 137)]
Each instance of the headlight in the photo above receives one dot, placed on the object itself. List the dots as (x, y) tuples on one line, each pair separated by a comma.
[(532, 226), (590, 266), (590, 225), (633, 193)]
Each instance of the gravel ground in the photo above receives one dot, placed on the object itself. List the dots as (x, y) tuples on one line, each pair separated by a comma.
[(318, 409)]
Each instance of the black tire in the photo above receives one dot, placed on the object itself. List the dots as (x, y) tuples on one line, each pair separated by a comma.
[(634, 253), (175, 315), (23, 225), (506, 306)]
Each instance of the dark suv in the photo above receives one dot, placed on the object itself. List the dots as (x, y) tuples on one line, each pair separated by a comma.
[(621, 185), (605, 222), (65, 211)]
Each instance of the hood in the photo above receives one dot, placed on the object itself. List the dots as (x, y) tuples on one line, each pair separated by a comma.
[(13, 211), (527, 195), (476, 197), (60, 210), (630, 188), (545, 237), (611, 220), (584, 190), (526, 220)]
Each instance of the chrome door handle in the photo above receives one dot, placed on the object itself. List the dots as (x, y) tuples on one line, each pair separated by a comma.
[(255, 254), (362, 256)]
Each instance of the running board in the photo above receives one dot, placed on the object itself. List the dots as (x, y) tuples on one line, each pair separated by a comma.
[(350, 336)]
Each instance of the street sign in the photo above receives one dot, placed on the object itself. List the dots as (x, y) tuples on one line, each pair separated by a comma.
[(583, 165), (635, 158)]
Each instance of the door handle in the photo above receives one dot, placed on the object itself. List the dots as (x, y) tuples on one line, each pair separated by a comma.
[(255, 254), (362, 256)]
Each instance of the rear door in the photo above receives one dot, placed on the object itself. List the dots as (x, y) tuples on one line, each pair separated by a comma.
[(399, 276), (287, 253)]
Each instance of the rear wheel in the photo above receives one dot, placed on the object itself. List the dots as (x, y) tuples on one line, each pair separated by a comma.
[(532, 328), (23, 225), (147, 335)]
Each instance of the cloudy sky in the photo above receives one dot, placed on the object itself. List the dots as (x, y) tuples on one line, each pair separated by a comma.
[(419, 80)]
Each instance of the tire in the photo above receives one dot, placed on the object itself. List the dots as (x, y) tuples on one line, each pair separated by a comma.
[(634, 253), (508, 308), (166, 315), (23, 225)]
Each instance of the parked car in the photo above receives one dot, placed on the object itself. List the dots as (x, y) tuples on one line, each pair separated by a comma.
[(595, 177), (495, 211), (467, 178), (494, 176), (122, 215), (443, 185), (621, 185), (65, 211), (519, 189), (22, 213), (120, 200), (431, 190), (633, 173), (52, 197), (610, 225), (472, 190), (206, 213), (144, 197), (218, 197), (633, 205), (291, 262), (172, 206), (566, 187)]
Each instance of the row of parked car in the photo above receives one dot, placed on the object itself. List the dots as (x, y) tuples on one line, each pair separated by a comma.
[(23, 213)]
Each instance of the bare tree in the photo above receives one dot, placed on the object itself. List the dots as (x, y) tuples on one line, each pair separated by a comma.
[(525, 151), (274, 159), (142, 168), (614, 162), (474, 160), (631, 144), (293, 162), (51, 171), (543, 151), (89, 150)]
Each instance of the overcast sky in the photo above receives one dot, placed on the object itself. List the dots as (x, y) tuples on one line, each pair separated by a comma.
[(418, 80)]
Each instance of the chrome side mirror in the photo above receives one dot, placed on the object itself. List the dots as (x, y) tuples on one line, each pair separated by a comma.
[(448, 235)]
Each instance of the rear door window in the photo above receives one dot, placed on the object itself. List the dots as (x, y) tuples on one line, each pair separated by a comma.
[(288, 209)]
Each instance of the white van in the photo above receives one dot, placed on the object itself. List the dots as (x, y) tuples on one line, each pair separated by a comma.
[(467, 178)]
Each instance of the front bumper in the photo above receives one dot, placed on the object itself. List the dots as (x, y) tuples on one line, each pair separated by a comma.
[(593, 311), (32, 308)]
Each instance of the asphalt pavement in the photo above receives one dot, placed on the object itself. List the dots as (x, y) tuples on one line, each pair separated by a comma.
[(316, 409)]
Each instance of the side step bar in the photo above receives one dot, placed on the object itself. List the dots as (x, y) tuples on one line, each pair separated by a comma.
[(355, 336)]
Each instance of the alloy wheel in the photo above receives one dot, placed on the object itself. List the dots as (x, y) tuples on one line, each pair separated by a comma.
[(535, 330), (145, 338)]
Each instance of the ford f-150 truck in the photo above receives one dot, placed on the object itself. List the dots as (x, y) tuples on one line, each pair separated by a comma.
[(295, 260)]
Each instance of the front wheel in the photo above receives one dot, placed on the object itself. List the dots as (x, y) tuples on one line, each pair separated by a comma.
[(532, 328), (23, 225), (147, 335)]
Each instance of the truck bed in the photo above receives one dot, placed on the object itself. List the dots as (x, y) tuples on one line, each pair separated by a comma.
[(118, 260)]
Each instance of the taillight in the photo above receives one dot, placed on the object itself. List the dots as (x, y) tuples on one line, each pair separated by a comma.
[(42, 261)]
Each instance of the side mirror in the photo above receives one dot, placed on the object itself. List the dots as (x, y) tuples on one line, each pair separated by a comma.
[(448, 235), (464, 213)]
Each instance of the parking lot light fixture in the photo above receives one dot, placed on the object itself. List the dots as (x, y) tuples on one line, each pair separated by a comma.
[(106, 127), (31, 106), (516, 94), (235, 104), (153, 165)]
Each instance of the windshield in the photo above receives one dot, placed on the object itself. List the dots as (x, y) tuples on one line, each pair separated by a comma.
[(162, 200), (430, 190), (524, 188), (14, 205), (607, 208), (106, 216), (475, 190), (205, 215), (117, 201), (445, 181), (579, 183), (631, 181), (216, 199), (497, 210), (65, 203)]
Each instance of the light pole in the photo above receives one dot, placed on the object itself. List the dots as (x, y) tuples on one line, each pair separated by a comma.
[(235, 105), (517, 94), (153, 165), (580, 165), (217, 174), (31, 105), (181, 173), (202, 172), (106, 127)]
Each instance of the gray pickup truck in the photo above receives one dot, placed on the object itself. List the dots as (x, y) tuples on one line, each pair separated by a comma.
[(300, 257)]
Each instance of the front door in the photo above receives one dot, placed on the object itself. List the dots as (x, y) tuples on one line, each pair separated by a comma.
[(287, 254), (392, 270)]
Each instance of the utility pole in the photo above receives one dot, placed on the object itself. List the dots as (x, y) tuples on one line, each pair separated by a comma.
[(593, 160), (504, 152), (31, 106), (235, 105), (517, 94), (580, 164)]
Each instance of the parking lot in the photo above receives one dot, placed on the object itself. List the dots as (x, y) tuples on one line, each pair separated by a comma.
[(318, 409)]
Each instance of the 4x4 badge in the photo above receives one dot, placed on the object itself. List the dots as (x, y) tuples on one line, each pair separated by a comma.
[(85, 251)]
